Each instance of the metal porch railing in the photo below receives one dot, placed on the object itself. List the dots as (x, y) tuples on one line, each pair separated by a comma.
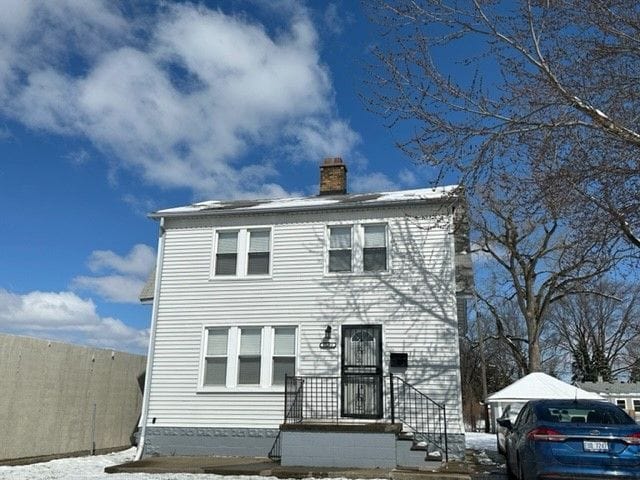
[(426, 418), (320, 398)]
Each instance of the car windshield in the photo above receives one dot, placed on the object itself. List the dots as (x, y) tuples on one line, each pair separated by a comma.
[(591, 413)]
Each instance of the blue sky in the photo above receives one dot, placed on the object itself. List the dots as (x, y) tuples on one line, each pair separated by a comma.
[(109, 111)]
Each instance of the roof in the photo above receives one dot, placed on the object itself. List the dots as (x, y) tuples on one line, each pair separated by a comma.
[(606, 388), (402, 197), (539, 385), (146, 295)]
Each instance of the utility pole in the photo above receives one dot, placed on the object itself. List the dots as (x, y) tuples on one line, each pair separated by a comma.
[(483, 372)]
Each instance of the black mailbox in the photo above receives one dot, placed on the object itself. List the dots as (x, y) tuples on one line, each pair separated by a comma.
[(399, 360)]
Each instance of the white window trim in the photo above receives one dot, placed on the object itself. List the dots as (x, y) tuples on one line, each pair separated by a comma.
[(273, 351), (242, 262), (357, 249), (233, 349), (327, 248), (205, 355)]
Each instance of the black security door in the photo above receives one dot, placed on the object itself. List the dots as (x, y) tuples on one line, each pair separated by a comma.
[(362, 371)]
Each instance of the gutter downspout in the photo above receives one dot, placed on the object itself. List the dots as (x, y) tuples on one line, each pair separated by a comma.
[(152, 342)]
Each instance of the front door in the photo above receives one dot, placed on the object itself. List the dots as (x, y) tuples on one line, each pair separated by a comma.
[(362, 371)]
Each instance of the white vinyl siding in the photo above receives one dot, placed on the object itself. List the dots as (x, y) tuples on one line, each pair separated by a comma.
[(298, 292)]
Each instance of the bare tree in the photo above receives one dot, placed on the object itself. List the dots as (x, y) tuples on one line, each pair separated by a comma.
[(500, 370), (546, 88), (534, 260), (597, 330)]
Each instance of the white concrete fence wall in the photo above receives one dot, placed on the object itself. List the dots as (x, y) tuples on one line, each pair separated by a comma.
[(59, 399)]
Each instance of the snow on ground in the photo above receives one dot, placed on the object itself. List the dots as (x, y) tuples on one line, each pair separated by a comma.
[(92, 468), (481, 441)]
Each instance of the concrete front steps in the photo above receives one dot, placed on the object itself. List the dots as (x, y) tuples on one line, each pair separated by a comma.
[(354, 445)]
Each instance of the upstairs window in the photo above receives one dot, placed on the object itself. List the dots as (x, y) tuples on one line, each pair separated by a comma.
[(284, 354), (258, 256), (227, 253), (340, 249), (249, 357), (374, 252), (636, 405), (622, 403), (215, 367)]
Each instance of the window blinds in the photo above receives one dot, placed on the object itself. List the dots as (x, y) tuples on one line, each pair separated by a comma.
[(259, 241), (227, 242), (217, 343), (374, 236), (285, 341), (250, 341), (340, 238)]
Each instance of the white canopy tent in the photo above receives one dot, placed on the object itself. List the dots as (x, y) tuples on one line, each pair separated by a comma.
[(534, 386)]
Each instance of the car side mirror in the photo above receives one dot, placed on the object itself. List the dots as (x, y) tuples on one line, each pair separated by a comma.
[(506, 423)]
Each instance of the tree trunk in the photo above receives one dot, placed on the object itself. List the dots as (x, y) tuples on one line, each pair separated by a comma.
[(535, 363)]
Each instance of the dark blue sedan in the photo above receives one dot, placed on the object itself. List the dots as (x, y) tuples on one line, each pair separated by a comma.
[(572, 439)]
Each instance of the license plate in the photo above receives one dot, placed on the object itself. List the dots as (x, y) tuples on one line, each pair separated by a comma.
[(594, 446)]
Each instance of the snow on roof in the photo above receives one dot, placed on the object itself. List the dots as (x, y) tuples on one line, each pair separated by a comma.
[(539, 385), (607, 388), (311, 203)]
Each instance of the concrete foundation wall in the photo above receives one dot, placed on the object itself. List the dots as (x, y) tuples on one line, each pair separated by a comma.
[(339, 449), (254, 442), (47, 395)]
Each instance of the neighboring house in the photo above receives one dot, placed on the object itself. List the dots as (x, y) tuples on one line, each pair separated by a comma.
[(625, 395), (291, 315)]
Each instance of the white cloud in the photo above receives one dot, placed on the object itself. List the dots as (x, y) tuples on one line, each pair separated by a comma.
[(139, 261), (181, 103), (67, 317), (124, 276), (407, 178), (114, 288), (373, 182), (334, 18)]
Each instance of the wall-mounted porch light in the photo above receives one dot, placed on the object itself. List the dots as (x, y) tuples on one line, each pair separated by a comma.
[(326, 343)]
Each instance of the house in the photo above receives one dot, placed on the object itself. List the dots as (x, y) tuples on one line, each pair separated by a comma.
[(625, 395), (320, 329)]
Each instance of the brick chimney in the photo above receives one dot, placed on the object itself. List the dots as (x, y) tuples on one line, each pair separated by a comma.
[(333, 177)]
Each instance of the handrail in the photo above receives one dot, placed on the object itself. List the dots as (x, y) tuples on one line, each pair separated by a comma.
[(275, 453), (425, 417), (317, 398)]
